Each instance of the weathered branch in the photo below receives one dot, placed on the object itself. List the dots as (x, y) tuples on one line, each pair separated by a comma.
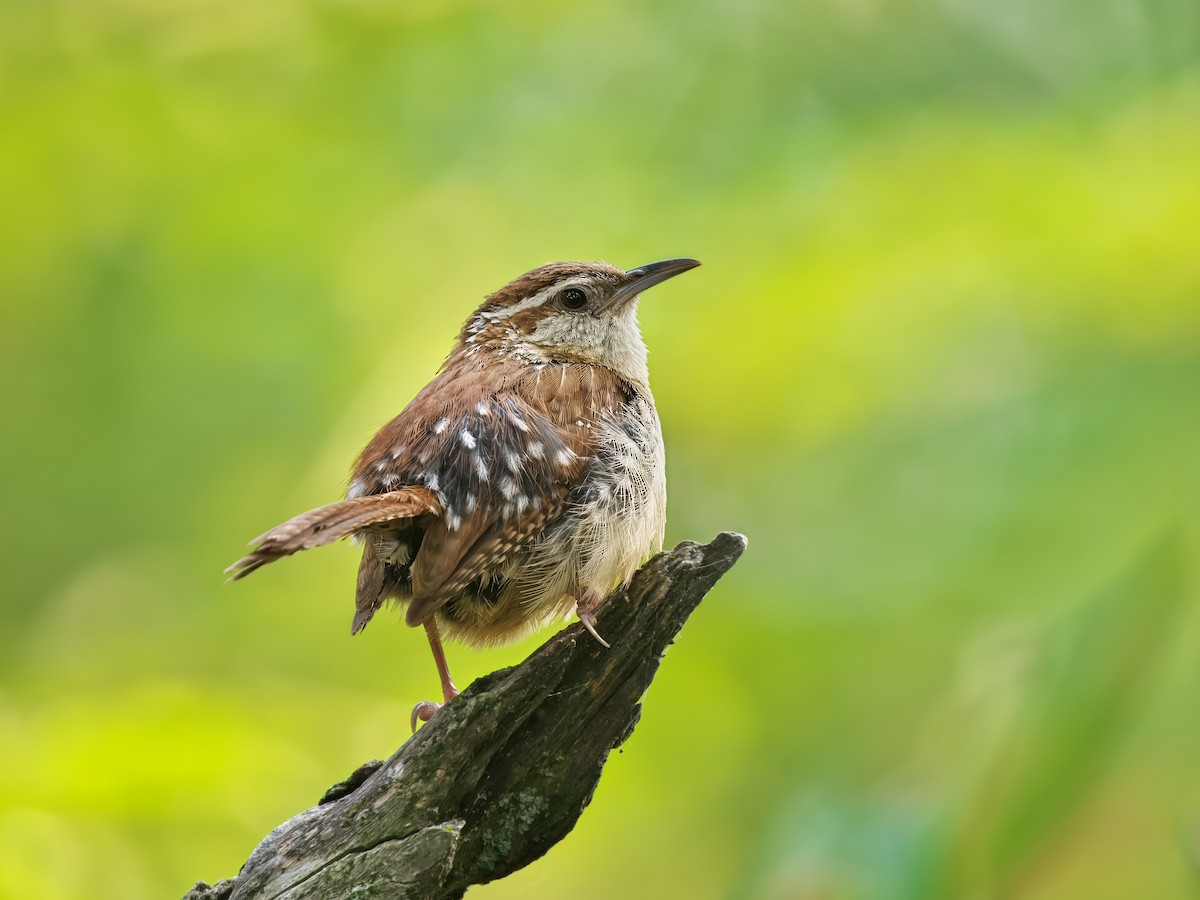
[(498, 776)]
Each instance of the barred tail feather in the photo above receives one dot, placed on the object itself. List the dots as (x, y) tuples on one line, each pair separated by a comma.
[(331, 522)]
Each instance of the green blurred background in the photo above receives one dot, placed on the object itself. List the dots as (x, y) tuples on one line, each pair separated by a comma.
[(941, 365)]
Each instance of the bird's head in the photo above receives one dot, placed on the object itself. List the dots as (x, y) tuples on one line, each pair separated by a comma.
[(570, 312)]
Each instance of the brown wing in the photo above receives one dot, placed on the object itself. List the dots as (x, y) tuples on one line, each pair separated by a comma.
[(499, 489), (503, 451), (450, 560)]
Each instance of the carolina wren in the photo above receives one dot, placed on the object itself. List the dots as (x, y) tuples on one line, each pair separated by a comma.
[(524, 481)]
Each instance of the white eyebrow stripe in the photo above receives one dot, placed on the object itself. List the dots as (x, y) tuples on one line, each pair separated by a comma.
[(536, 300)]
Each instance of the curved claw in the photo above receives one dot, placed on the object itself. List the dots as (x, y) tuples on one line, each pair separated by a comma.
[(423, 712), (589, 622), (585, 608)]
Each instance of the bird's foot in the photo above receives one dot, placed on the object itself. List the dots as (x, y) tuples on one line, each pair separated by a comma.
[(585, 608), (423, 712), (426, 709)]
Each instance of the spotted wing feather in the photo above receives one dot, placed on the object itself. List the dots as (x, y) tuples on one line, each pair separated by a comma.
[(505, 451), (502, 463)]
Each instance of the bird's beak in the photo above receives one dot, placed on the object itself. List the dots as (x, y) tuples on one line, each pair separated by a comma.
[(646, 277)]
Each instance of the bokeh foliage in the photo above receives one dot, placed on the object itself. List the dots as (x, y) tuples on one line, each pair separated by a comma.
[(941, 365)]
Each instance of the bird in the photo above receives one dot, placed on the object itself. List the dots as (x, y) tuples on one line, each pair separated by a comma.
[(524, 482)]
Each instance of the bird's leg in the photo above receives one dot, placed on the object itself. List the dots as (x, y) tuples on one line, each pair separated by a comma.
[(424, 710), (585, 608)]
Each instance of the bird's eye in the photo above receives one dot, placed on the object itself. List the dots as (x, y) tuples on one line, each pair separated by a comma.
[(572, 298)]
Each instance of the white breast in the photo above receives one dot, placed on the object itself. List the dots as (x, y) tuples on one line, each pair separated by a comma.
[(616, 520)]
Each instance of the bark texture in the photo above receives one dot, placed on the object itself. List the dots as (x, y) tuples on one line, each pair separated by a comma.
[(499, 775)]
